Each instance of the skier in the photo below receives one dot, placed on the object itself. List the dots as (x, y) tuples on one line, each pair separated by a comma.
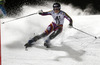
[(2, 9), (55, 27)]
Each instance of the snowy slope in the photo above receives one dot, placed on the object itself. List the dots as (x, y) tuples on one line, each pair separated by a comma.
[(71, 47)]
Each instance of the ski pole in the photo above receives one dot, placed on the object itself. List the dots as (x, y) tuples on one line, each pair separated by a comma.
[(85, 33), (19, 18)]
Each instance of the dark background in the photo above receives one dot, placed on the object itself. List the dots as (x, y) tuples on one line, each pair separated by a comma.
[(14, 6)]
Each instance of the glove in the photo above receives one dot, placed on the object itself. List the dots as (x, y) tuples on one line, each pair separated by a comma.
[(70, 25), (40, 11)]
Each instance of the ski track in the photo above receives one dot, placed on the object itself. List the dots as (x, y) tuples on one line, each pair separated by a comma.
[(71, 47)]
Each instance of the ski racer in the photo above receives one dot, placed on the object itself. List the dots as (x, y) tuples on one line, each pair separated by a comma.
[(55, 27)]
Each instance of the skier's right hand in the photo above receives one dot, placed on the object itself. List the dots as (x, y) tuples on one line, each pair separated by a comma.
[(40, 11)]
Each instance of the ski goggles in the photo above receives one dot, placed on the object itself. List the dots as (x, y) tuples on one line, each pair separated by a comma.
[(56, 8)]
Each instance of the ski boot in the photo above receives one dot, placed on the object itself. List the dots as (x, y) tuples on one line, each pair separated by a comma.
[(29, 44), (47, 44)]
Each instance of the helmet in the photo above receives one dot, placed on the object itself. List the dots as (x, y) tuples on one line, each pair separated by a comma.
[(56, 5)]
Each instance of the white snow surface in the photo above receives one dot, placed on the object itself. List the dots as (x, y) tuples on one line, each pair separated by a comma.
[(71, 47)]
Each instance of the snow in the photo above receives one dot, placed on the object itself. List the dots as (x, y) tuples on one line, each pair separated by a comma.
[(71, 47)]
